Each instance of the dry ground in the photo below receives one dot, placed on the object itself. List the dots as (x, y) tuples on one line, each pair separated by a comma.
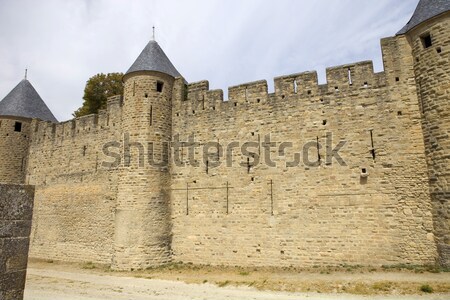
[(53, 280)]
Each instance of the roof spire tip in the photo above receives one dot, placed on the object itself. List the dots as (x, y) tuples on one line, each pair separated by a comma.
[(153, 37), (26, 72)]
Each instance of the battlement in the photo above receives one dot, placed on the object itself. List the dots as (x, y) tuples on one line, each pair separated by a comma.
[(341, 80), (105, 119)]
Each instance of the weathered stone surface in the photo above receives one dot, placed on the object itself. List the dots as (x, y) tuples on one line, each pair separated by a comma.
[(16, 205), (387, 204)]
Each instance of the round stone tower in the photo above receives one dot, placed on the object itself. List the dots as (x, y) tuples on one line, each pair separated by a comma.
[(428, 32), (143, 231), (17, 110)]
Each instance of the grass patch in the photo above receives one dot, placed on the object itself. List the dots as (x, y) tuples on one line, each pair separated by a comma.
[(223, 283), (383, 286), (426, 288), (89, 265)]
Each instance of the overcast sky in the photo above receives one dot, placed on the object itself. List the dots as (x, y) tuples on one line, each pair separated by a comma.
[(228, 42)]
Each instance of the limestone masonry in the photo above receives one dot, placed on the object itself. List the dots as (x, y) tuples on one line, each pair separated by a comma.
[(354, 171), (16, 209)]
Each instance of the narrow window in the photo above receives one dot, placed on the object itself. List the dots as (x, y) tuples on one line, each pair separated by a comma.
[(318, 150), (397, 79), (203, 102), (84, 150), (324, 122), (146, 95), (151, 115), (134, 88), (235, 103), (159, 86), (426, 41), (18, 127), (372, 151), (363, 170), (438, 50), (248, 165), (246, 94), (295, 86), (258, 100), (350, 82), (207, 166)]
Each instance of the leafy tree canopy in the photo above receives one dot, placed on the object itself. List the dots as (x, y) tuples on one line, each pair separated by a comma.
[(98, 88)]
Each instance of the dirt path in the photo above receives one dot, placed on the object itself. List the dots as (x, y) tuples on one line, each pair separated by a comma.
[(64, 282)]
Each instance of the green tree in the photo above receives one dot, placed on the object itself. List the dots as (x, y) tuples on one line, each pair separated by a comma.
[(98, 88)]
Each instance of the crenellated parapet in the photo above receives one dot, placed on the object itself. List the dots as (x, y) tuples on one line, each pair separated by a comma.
[(106, 120)]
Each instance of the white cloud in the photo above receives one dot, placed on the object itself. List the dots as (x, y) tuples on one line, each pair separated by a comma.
[(63, 43)]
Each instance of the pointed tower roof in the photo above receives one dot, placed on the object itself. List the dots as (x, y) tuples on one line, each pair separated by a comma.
[(425, 10), (24, 101), (153, 58)]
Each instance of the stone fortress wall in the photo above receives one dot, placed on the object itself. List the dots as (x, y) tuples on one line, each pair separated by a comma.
[(386, 202), (16, 209), (374, 210)]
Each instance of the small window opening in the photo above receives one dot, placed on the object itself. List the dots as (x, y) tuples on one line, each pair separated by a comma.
[(350, 82), (159, 86), (84, 150), (295, 86), (151, 115), (318, 150), (258, 100), (372, 151), (235, 103), (321, 100), (438, 49), (426, 41), (417, 59), (309, 92), (193, 112), (253, 134), (195, 181), (18, 127), (134, 88), (366, 84), (146, 95), (282, 96), (178, 114), (324, 122), (336, 88), (399, 113), (397, 79), (364, 170), (213, 108), (253, 178), (207, 166)]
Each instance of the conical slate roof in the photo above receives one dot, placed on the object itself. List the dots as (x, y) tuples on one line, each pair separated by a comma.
[(425, 10), (24, 101), (153, 58)]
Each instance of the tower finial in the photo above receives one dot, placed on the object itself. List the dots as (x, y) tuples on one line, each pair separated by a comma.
[(153, 32), (26, 71)]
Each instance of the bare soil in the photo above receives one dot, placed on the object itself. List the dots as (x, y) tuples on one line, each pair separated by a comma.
[(56, 280)]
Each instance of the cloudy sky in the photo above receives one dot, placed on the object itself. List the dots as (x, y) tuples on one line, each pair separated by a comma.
[(228, 42)]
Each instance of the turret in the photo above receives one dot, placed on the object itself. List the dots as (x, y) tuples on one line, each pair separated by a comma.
[(17, 110), (428, 32), (142, 235)]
